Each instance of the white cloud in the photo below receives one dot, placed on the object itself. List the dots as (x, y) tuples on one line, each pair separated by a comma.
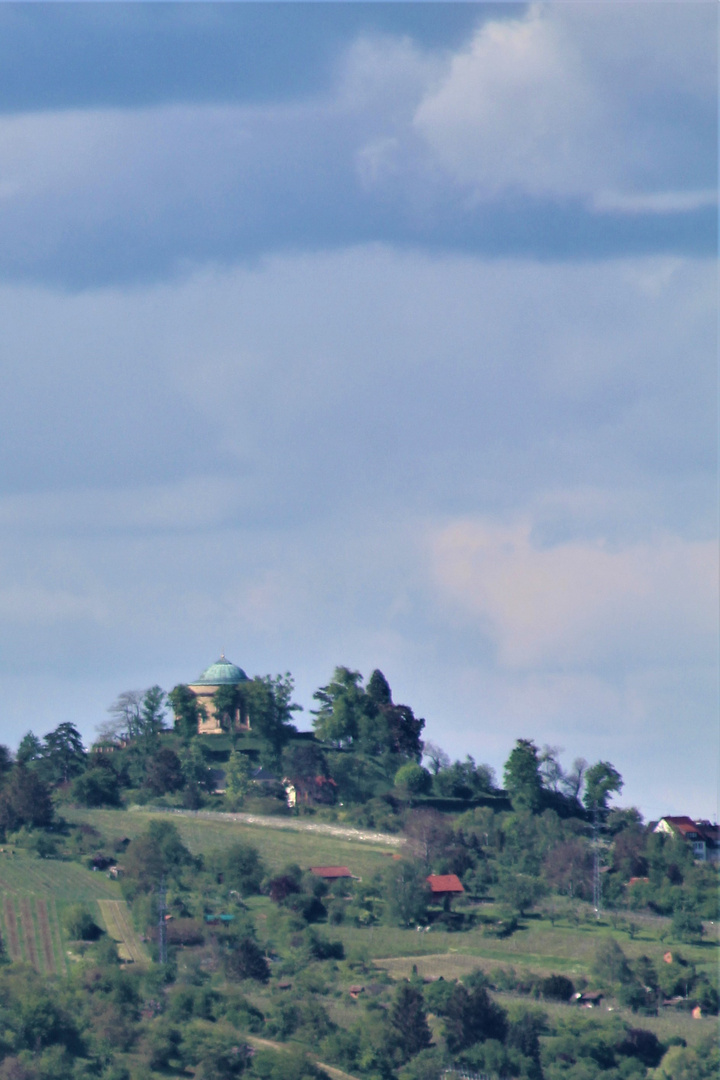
[(580, 605), (655, 202), (557, 102)]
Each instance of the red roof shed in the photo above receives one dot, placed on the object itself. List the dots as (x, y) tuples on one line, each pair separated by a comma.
[(445, 884), (330, 871)]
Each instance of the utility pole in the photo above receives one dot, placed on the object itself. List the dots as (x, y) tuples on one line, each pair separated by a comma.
[(162, 925), (596, 860)]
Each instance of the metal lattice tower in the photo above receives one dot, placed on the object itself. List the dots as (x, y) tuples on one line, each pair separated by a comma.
[(162, 925), (596, 860)]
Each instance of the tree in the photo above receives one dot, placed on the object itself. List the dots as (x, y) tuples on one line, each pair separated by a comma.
[(568, 868), (6, 762), (378, 689), (242, 868), (436, 757), (305, 765), (403, 729), (25, 800), (551, 772), (229, 704), (29, 750), (429, 834), (408, 1020), (237, 779), (163, 772), (471, 1017), (187, 710), (341, 705), (125, 712), (522, 776), (407, 892), (610, 964), (80, 924), (572, 782), (601, 780), (63, 753), (413, 779), (269, 705), (247, 961), (686, 926), (464, 780), (97, 787), (195, 770), (155, 855), (520, 891), (152, 712)]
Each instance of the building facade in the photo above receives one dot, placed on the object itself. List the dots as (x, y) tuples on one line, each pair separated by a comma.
[(221, 673)]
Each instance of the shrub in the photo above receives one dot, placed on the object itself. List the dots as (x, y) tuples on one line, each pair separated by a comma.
[(247, 961), (97, 787), (557, 988), (686, 927), (80, 924)]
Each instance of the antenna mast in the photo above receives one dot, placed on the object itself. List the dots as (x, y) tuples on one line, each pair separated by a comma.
[(596, 860), (162, 925)]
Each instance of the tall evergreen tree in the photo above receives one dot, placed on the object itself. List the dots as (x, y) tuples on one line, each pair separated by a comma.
[(408, 1020)]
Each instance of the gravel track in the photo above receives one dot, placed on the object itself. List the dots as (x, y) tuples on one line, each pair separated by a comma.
[(321, 828)]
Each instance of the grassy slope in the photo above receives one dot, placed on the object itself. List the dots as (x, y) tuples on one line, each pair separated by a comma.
[(538, 945), (560, 948), (278, 847)]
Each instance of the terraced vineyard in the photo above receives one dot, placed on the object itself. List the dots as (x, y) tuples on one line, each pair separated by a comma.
[(35, 893), (32, 933)]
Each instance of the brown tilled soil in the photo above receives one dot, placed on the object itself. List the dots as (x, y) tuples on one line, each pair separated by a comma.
[(12, 929), (45, 936), (29, 932)]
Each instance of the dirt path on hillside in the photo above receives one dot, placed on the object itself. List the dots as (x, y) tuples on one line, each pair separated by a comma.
[(321, 828), (269, 1044)]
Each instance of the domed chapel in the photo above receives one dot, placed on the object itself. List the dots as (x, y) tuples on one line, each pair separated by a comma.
[(221, 673)]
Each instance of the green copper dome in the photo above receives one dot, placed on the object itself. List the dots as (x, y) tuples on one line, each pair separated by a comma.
[(222, 673)]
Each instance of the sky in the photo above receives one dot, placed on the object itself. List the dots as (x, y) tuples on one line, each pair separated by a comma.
[(380, 335)]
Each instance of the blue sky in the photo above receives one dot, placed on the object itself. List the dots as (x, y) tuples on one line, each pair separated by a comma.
[(373, 334)]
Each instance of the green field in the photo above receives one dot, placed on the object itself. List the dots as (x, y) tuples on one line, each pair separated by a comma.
[(278, 847)]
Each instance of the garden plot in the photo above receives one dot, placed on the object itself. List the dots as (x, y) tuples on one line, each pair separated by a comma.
[(117, 922)]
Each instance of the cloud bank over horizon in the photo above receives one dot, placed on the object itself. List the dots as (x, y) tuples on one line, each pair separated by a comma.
[(405, 359)]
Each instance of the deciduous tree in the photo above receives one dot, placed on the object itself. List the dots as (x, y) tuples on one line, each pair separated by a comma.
[(522, 776)]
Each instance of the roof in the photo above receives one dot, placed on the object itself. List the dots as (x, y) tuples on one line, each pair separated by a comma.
[(221, 673), (702, 830), (445, 883), (330, 871)]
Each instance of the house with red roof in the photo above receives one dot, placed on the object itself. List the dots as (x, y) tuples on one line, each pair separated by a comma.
[(703, 836)]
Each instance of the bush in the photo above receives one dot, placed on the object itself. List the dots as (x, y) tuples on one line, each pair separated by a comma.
[(247, 961), (97, 787), (185, 932), (686, 927), (557, 988), (80, 924)]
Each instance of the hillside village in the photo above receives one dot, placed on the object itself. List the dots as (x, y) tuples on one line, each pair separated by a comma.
[(207, 891)]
